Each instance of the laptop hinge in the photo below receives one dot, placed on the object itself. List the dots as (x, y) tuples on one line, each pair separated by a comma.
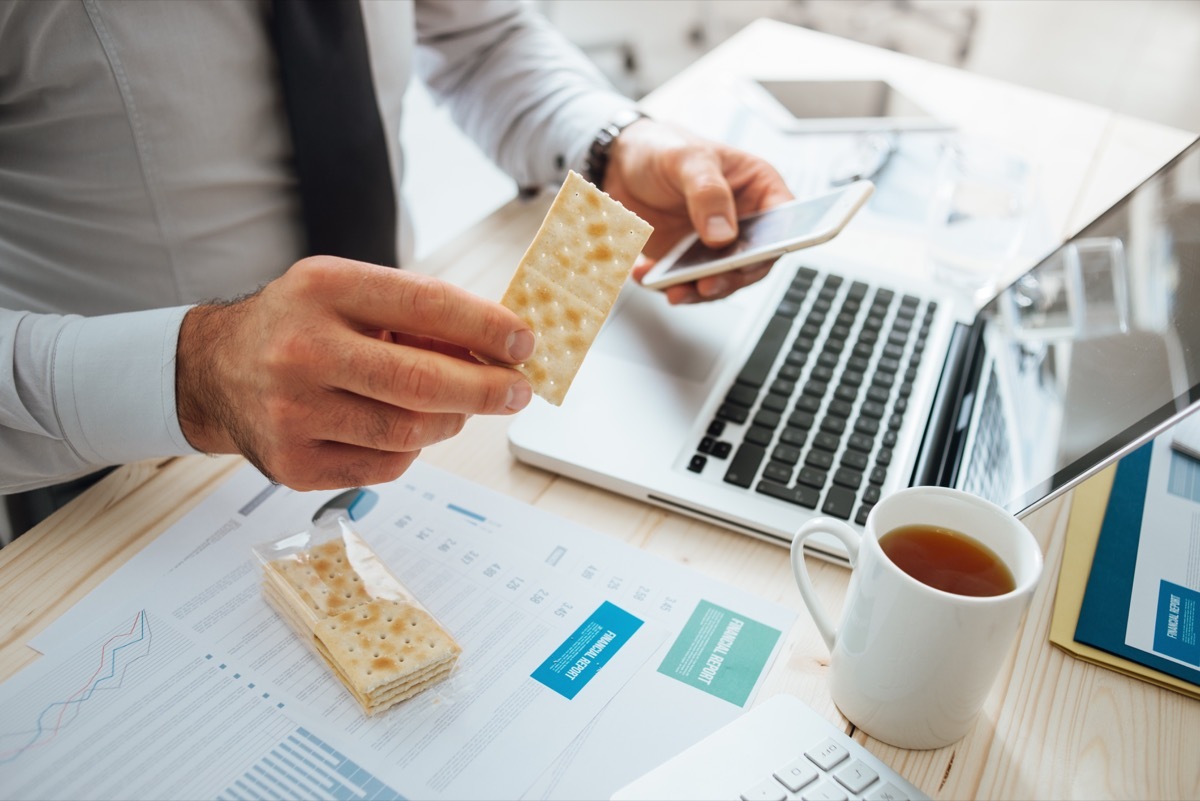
[(945, 434)]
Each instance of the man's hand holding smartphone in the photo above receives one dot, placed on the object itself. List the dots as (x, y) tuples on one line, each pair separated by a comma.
[(763, 236)]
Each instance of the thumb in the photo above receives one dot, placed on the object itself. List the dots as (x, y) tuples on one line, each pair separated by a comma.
[(709, 199)]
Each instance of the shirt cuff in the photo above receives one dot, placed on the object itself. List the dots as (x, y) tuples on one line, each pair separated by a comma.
[(114, 386)]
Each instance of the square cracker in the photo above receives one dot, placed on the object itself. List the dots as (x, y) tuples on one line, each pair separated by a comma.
[(569, 278), (383, 642)]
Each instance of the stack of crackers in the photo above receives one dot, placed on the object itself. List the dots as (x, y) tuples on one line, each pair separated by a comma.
[(381, 644), (569, 278)]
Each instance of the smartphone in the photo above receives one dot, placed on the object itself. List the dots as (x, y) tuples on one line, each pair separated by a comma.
[(789, 226)]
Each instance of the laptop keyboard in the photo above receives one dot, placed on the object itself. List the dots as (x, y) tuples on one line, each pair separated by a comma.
[(814, 413)]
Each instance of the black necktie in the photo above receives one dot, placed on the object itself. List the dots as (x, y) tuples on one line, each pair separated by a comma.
[(340, 146)]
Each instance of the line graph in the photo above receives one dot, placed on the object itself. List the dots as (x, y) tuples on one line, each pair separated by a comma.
[(118, 652)]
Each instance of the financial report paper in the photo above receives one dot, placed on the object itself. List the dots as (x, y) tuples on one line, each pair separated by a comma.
[(518, 587)]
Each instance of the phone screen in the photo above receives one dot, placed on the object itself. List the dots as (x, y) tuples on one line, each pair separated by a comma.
[(761, 231)]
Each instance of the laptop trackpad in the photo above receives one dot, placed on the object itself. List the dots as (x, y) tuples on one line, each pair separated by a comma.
[(683, 340)]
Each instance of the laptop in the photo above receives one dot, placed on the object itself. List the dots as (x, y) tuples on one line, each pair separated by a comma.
[(832, 382)]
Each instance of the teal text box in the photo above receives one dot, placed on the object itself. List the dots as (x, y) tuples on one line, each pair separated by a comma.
[(720, 652)]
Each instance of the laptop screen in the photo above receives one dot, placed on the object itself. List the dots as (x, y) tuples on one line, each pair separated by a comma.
[(1097, 348)]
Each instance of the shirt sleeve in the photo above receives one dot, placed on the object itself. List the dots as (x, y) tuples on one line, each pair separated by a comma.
[(530, 99), (81, 393)]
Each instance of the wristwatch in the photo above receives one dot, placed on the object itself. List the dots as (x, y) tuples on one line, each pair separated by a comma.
[(596, 163)]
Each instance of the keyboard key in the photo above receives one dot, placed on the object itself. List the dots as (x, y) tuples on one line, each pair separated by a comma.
[(793, 436), (782, 386), (706, 445), (766, 790), (799, 495), (716, 428), (887, 792), (767, 419), (819, 459), (856, 460), (775, 403), (697, 463), (745, 464), (826, 441), (788, 454), (812, 477), (742, 395), (827, 754), (796, 774), (801, 419), (722, 449), (825, 791), (839, 502), (760, 435), (846, 477), (762, 358), (856, 777), (778, 471), (733, 413), (860, 442)]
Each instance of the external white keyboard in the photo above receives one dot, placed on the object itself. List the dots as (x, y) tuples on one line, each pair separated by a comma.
[(781, 749)]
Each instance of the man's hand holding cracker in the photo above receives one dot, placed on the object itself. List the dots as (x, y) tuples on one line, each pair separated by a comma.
[(678, 183), (338, 373)]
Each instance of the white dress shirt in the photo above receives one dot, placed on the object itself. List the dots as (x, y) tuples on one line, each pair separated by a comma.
[(145, 165)]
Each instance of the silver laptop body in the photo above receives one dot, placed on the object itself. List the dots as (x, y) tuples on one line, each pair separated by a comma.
[(1016, 402)]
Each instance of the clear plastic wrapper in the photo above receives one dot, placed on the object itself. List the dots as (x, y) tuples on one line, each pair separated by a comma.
[(339, 597)]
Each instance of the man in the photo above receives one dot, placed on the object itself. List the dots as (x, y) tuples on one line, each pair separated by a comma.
[(147, 166)]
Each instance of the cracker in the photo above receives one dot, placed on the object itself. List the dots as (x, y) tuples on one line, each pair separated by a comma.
[(340, 598), (383, 642), (567, 281)]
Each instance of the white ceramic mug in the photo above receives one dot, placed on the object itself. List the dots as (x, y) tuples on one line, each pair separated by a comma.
[(912, 665)]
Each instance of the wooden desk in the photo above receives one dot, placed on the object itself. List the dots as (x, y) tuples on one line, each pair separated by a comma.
[(1054, 727)]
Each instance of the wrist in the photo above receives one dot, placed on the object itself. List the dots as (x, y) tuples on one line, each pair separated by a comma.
[(200, 406), (599, 153)]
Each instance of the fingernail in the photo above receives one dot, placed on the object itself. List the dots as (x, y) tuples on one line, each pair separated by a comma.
[(520, 345), (718, 228), (717, 285), (519, 395)]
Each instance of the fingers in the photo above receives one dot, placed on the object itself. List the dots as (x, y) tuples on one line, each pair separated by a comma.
[(395, 300), (715, 287), (338, 374), (424, 380), (709, 198), (354, 420)]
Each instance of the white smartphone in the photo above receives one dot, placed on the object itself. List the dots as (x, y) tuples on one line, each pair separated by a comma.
[(789, 226)]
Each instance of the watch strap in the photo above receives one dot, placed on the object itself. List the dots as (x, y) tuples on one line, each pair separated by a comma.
[(596, 162)]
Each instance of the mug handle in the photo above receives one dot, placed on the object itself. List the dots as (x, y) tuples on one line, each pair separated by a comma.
[(850, 538)]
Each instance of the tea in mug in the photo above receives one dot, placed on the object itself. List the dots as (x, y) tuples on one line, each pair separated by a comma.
[(947, 560)]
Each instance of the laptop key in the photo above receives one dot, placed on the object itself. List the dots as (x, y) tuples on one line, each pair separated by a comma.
[(778, 471), (839, 502), (762, 358), (733, 413), (799, 495), (745, 464), (846, 477)]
